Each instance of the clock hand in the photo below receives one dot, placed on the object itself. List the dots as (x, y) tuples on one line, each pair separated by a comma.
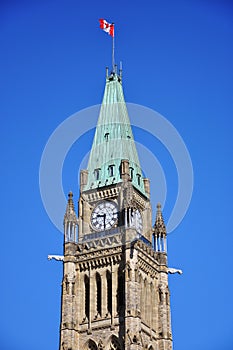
[(104, 221), (102, 216)]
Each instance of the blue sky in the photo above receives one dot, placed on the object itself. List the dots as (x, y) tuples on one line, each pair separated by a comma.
[(177, 59)]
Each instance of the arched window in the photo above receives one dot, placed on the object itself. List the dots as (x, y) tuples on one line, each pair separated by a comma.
[(106, 136), (87, 296), (141, 295), (120, 293), (160, 295), (91, 345), (145, 298), (97, 174), (111, 170), (131, 172), (167, 297), (99, 293), (115, 344), (66, 284), (109, 292), (151, 301)]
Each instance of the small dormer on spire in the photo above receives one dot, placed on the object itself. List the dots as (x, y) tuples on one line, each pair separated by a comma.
[(159, 232), (70, 221)]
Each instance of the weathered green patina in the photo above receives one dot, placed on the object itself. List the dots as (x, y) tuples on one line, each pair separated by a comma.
[(113, 141)]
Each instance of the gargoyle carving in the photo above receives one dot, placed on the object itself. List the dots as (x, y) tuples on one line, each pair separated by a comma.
[(172, 270), (56, 257)]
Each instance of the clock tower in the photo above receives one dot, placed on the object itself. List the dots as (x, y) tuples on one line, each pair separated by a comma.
[(115, 291)]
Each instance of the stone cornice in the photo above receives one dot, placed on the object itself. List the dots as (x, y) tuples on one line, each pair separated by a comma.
[(101, 193), (99, 258), (147, 260)]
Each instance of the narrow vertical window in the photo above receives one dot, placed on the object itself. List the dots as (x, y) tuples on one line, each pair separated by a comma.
[(106, 136), (99, 292), (160, 296), (139, 179), (97, 174), (131, 173), (66, 284), (120, 294), (151, 304), (92, 345), (73, 288), (115, 345), (111, 170), (87, 296), (109, 292), (145, 301)]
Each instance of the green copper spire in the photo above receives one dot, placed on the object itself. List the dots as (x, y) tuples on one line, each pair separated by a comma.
[(113, 141)]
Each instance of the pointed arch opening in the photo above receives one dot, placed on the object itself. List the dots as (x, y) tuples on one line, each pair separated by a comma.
[(91, 345), (160, 296), (109, 292), (144, 304), (115, 344), (151, 306), (120, 293), (87, 296), (98, 294)]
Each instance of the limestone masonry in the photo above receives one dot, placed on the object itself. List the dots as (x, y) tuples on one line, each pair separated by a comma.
[(115, 291)]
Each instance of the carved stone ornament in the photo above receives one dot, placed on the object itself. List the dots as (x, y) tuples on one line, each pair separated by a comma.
[(100, 345)]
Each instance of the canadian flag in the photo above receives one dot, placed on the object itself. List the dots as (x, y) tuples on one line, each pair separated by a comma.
[(107, 27)]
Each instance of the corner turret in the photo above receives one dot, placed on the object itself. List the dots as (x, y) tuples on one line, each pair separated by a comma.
[(159, 232), (70, 221)]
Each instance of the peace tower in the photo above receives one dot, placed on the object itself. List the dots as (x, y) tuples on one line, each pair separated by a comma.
[(115, 291)]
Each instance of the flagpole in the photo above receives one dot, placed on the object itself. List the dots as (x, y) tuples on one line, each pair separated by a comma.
[(113, 51), (110, 29)]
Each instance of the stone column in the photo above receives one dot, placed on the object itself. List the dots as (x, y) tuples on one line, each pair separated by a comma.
[(67, 330)]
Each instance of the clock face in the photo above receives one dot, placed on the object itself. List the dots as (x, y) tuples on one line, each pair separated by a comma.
[(104, 216), (137, 220)]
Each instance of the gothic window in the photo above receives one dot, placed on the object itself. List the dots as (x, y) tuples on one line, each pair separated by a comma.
[(142, 294), (160, 296), (111, 170), (120, 293), (97, 174), (144, 300), (73, 288), (87, 296), (106, 136), (151, 301), (109, 292), (115, 345), (139, 179), (131, 172), (167, 297), (66, 284), (145, 306), (99, 292), (91, 345)]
